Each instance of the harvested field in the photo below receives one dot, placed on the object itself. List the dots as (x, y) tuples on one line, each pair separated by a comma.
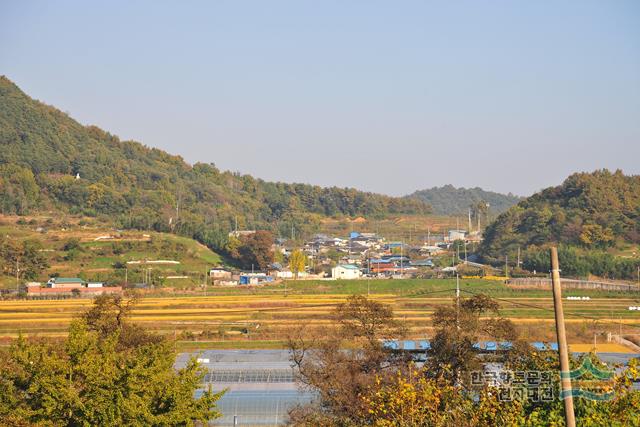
[(258, 317)]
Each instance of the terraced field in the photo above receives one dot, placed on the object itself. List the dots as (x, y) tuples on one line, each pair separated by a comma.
[(262, 318)]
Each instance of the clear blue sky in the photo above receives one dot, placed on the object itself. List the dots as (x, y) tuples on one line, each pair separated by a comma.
[(387, 96)]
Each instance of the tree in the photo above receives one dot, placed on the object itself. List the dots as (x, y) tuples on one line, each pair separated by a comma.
[(26, 256), (297, 262), (256, 250), (20, 192), (107, 372), (458, 328), (595, 235), (340, 369)]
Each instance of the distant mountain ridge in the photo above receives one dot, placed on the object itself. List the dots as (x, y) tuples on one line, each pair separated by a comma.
[(50, 162), (449, 200)]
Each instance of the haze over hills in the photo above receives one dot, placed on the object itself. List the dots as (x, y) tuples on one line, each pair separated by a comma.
[(49, 161), (449, 200)]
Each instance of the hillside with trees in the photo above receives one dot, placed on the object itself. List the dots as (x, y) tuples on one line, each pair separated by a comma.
[(449, 200), (51, 163), (592, 216)]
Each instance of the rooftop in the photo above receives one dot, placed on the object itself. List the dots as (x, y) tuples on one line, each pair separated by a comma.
[(67, 280), (348, 266)]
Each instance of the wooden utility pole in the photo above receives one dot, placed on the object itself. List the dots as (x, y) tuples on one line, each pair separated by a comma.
[(17, 274), (565, 379), (457, 301), (506, 266)]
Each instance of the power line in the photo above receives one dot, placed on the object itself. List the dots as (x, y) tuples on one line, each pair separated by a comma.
[(583, 316)]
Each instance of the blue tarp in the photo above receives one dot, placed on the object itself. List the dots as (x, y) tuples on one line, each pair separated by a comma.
[(409, 345), (391, 345), (424, 345)]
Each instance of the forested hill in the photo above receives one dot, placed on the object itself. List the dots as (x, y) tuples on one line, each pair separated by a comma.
[(589, 212), (43, 151), (449, 200)]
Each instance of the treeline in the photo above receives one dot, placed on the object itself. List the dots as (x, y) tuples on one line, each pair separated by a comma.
[(593, 213), (579, 263), (449, 200), (48, 161)]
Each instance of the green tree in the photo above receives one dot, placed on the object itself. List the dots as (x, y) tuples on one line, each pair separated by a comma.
[(20, 192), (26, 256), (107, 372)]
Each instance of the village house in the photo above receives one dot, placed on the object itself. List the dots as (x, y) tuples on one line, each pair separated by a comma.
[(70, 286), (218, 273), (457, 235), (254, 279), (346, 271), (65, 282)]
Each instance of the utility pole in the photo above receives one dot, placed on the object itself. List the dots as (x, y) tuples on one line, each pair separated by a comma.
[(469, 219), (17, 274), (506, 266), (369, 277), (401, 258), (518, 265), (465, 252), (565, 378), (457, 300)]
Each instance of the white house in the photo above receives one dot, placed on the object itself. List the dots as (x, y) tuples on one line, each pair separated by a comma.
[(219, 273), (95, 285), (457, 235), (346, 271)]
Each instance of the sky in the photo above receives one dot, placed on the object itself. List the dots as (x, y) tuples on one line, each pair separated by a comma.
[(384, 96)]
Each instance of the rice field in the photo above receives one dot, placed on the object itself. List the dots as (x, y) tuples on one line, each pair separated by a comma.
[(264, 317)]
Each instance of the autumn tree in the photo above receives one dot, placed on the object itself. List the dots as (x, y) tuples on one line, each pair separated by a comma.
[(342, 366), (256, 250), (458, 327), (297, 262)]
